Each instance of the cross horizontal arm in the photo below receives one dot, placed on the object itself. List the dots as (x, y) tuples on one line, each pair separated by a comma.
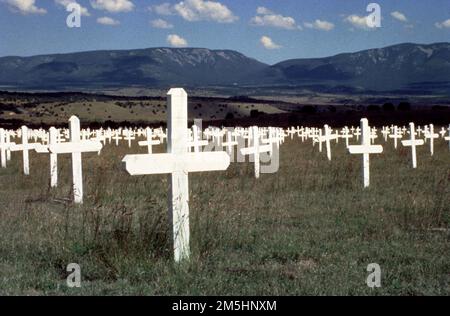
[(251, 150), (417, 142), (169, 163), (362, 149), (80, 147)]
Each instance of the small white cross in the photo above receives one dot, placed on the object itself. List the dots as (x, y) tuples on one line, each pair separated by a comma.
[(413, 143), (25, 147), (396, 136), (149, 142), (256, 150), (431, 135)]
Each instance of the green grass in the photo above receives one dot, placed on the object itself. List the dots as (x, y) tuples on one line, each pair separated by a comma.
[(309, 229)]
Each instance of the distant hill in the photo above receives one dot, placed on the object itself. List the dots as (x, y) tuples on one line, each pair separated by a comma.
[(399, 67), (149, 67), (404, 68)]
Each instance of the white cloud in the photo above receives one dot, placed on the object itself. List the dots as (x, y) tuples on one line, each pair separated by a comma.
[(161, 24), (113, 6), (162, 9), (357, 21), (265, 17), (107, 21), (399, 16), (176, 41), (320, 25), (25, 6), (263, 11), (198, 10), (268, 43), (444, 24), (65, 3)]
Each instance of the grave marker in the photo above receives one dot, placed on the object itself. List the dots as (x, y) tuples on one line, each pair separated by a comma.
[(431, 135), (25, 147), (178, 163), (413, 143), (76, 147), (256, 150), (365, 149)]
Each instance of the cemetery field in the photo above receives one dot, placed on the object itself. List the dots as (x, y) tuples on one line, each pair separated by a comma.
[(309, 229)]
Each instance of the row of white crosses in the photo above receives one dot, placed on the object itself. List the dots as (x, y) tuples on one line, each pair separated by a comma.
[(76, 146), (180, 160)]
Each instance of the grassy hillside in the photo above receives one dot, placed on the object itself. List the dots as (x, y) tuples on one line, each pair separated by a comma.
[(308, 229)]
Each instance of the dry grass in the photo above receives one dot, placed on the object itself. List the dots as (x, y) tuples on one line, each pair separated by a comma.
[(308, 229)]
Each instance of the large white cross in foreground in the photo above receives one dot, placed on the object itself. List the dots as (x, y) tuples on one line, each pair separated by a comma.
[(365, 149), (76, 146), (178, 163)]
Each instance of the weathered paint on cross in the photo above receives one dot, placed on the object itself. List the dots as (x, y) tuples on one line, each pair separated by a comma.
[(413, 143), (178, 162), (365, 149), (53, 158)]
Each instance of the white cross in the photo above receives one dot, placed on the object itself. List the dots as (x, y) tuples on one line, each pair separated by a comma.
[(25, 147), (256, 150), (44, 149), (432, 136), (413, 143), (76, 147), (365, 149), (196, 142), (385, 132), (396, 135), (229, 144), (447, 138), (149, 142), (357, 133), (129, 137), (346, 135), (178, 163), (327, 138), (117, 137)]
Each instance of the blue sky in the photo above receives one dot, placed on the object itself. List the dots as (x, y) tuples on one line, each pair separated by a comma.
[(268, 30)]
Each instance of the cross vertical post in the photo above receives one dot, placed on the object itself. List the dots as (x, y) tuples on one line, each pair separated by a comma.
[(3, 147), (366, 158), (179, 193), (53, 158), (77, 168)]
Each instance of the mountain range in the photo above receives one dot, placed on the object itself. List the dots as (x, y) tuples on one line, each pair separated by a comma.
[(404, 68)]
